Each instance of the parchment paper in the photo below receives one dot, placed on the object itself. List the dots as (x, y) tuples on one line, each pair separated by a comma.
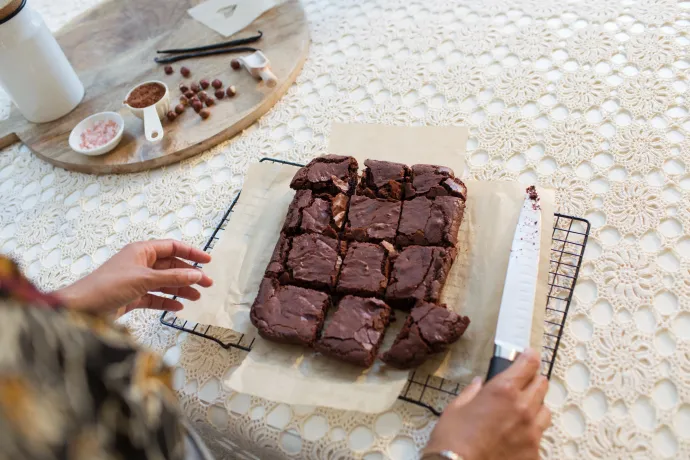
[(295, 375), (444, 145), (241, 254)]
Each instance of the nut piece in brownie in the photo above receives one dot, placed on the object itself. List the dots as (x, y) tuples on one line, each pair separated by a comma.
[(432, 181), (355, 331), (418, 273), (383, 179), (311, 213), (313, 261), (428, 222), (331, 174), (428, 329), (372, 220), (288, 314), (365, 269)]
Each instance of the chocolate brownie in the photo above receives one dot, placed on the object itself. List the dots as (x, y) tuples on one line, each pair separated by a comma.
[(432, 181), (365, 270), (428, 222), (418, 273), (313, 261), (428, 329), (372, 220), (383, 179), (311, 213), (355, 331), (331, 174), (288, 314), (276, 266)]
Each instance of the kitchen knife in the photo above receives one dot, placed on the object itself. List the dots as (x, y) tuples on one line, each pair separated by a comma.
[(515, 315)]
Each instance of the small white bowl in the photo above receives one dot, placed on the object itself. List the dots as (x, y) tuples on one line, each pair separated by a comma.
[(75, 135)]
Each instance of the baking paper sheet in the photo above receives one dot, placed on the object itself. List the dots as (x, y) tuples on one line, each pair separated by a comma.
[(474, 287)]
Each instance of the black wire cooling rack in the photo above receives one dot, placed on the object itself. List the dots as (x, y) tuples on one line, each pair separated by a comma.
[(568, 243)]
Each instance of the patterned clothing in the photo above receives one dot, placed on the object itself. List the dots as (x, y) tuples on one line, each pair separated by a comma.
[(73, 385)]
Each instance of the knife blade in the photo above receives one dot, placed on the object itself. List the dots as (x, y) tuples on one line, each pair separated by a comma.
[(514, 326)]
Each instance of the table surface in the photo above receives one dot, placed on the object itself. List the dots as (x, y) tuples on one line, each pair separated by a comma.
[(588, 97)]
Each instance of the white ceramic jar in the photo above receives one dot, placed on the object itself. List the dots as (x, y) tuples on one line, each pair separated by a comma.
[(33, 68)]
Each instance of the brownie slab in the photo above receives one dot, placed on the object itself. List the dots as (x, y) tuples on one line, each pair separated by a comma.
[(383, 179), (428, 329), (311, 213), (432, 181), (355, 331), (313, 261), (288, 314), (372, 220), (418, 273), (331, 174), (428, 222), (365, 270)]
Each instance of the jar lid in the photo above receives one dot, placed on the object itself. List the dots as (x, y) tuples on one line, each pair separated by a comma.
[(9, 8)]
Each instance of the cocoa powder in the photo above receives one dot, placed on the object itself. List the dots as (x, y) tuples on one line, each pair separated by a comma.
[(146, 95)]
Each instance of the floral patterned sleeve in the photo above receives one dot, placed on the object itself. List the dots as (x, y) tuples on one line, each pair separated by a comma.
[(76, 386)]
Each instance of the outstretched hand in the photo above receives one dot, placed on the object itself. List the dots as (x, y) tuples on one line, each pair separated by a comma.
[(504, 418), (127, 280)]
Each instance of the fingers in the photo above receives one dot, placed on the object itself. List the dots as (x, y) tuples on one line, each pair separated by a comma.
[(172, 262), (173, 248), (543, 419), (174, 277), (468, 393), (523, 370), (536, 390), (186, 292), (535, 393), (155, 302)]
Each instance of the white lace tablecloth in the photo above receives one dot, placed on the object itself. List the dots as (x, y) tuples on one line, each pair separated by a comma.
[(589, 97)]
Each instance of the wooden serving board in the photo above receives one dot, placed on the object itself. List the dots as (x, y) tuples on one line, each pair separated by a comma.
[(112, 48)]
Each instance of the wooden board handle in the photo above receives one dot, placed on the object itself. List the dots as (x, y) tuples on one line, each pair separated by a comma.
[(7, 139)]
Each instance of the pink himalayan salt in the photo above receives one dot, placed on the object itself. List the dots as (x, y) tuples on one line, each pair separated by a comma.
[(99, 134)]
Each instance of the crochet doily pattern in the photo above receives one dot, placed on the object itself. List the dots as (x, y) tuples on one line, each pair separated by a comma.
[(589, 97)]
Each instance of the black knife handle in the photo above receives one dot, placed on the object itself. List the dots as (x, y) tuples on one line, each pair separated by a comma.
[(496, 366)]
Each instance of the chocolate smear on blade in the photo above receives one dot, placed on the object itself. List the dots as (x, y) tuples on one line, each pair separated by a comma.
[(534, 196)]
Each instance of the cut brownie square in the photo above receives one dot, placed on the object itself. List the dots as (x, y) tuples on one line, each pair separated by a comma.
[(355, 331), (432, 181), (313, 261), (331, 174), (428, 222), (418, 273), (428, 329), (372, 220), (311, 213), (365, 270), (289, 314), (383, 179)]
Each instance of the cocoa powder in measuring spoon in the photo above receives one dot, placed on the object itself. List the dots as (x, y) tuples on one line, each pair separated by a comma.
[(146, 95)]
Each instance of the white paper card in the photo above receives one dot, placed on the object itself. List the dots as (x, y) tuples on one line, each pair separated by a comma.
[(228, 17)]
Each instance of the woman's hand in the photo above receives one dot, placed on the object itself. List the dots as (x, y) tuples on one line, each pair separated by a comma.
[(126, 280), (504, 419)]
